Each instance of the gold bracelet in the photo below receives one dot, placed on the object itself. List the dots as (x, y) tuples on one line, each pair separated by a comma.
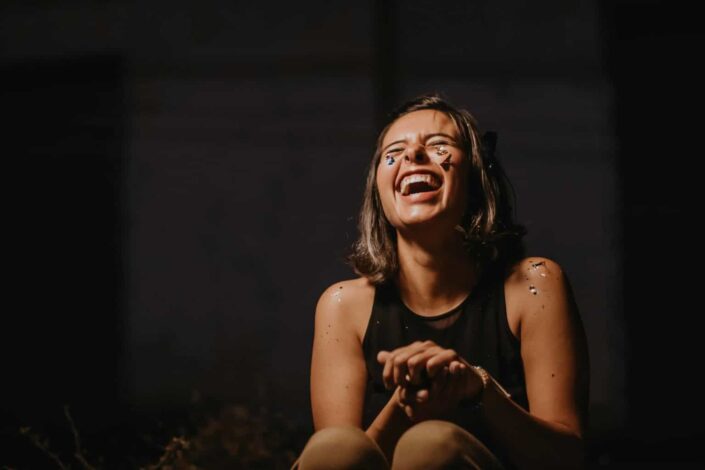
[(485, 377)]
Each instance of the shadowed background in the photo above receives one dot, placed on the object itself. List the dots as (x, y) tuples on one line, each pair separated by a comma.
[(185, 180)]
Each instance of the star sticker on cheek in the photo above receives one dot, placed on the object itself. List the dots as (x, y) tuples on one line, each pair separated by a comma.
[(390, 160), (446, 163)]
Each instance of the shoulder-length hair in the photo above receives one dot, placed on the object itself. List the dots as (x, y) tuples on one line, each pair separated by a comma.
[(488, 229)]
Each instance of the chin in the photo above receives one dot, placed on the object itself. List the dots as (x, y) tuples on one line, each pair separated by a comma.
[(444, 219), (425, 220), (418, 220)]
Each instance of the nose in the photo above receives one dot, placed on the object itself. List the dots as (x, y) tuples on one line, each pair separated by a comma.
[(415, 153)]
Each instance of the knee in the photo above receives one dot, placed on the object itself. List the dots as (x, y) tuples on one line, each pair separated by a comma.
[(433, 434), (440, 444), (341, 447)]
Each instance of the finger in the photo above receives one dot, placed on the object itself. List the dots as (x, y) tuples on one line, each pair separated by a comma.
[(416, 364), (459, 381), (463, 379), (409, 410), (439, 383), (399, 369), (422, 395), (457, 367), (399, 362), (382, 356), (412, 395), (462, 368), (398, 394), (453, 367), (444, 358), (389, 376), (406, 396), (387, 372), (447, 385)]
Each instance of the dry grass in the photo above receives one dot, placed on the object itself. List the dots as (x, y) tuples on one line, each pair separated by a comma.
[(235, 437)]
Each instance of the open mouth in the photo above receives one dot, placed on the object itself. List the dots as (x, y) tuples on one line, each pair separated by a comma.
[(419, 183)]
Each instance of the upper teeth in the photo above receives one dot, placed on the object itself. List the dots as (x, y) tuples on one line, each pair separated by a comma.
[(417, 178)]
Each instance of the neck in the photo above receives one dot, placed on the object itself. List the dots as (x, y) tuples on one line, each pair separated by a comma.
[(434, 275)]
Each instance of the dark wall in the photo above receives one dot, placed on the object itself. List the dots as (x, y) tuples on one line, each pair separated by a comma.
[(62, 338), (653, 57), (64, 163)]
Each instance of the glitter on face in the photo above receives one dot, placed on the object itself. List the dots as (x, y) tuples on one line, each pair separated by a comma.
[(533, 289)]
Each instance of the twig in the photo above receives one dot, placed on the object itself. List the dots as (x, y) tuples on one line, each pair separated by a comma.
[(78, 454), (44, 448), (175, 445)]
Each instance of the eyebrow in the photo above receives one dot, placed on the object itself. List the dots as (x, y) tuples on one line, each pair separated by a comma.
[(435, 134)]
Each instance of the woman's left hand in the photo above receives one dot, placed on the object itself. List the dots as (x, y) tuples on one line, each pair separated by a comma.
[(432, 379)]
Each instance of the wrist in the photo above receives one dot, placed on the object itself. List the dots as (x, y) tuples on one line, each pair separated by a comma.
[(475, 396), (479, 383)]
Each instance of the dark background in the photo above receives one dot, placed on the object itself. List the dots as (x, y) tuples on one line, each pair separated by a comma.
[(182, 181)]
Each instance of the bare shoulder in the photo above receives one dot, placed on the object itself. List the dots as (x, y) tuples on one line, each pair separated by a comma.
[(348, 304), (553, 342), (530, 284), (536, 269)]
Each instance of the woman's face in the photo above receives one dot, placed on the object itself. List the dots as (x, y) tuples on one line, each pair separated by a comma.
[(422, 171)]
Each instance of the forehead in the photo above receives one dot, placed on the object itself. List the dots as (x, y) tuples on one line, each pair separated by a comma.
[(420, 123)]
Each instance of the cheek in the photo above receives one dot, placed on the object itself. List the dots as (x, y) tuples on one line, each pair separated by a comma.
[(385, 184), (384, 180)]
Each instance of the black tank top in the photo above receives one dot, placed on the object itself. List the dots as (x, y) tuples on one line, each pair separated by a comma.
[(479, 333)]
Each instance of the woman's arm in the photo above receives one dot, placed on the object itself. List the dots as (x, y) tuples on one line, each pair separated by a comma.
[(389, 425), (338, 370), (556, 368)]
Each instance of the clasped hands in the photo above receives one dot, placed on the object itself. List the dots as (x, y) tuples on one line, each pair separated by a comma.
[(430, 380)]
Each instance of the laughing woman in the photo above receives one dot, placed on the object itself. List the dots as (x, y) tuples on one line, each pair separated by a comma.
[(452, 349)]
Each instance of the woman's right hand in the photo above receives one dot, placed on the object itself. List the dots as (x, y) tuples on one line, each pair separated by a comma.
[(431, 379), (438, 397)]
